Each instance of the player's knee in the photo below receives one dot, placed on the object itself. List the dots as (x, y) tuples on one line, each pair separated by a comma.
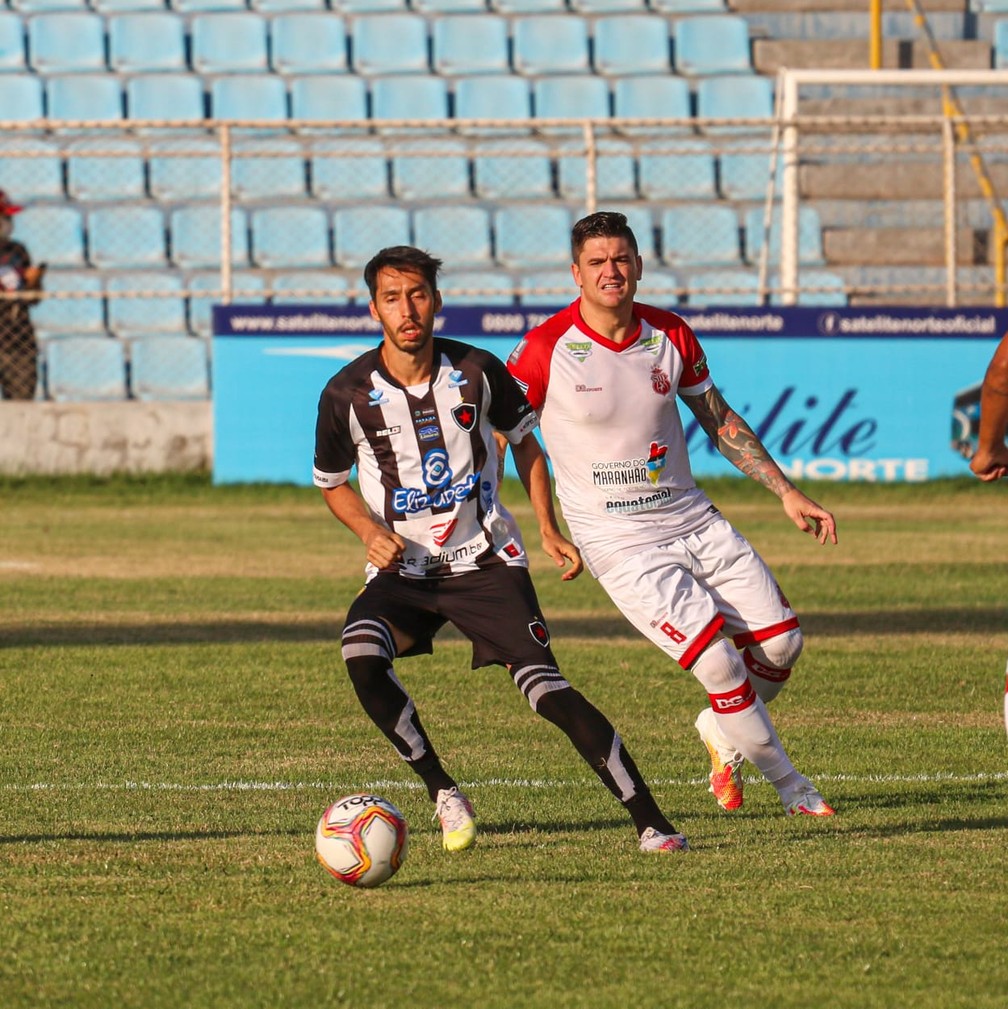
[(536, 682), (368, 640), (719, 667), (769, 662)]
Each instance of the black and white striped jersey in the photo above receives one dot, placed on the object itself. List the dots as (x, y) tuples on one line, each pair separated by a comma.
[(425, 456)]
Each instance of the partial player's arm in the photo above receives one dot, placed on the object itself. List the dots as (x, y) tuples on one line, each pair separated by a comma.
[(738, 443), (384, 547), (990, 462), (531, 464)]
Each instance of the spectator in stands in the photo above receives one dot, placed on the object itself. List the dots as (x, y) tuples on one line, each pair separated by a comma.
[(19, 282)]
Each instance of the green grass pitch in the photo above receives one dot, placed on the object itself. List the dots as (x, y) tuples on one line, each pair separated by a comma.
[(176, 716)]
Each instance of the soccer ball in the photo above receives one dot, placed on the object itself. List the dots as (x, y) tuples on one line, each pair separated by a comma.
[(361, 840)]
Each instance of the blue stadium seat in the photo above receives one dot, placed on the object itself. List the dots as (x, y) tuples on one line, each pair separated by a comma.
[(170, 97), (53, 316), (55, 234), (38, 177), (546, 288), (476, 287), (575, 96), (268, 169), (169, 368), (95, 97), (514, 169), (145, 41), (632, 44), (737, 287), (1001, 43), (528, 6), (532, 236), (184, 168), (202, 6), (85, 368), (12, 42), (659, 287), (734, 97), (358, 232), (164, 312), (743, 175), (325, 97), (290, 236), (248, 97), (366, 6), (626, 7), (651, 97), (449, 7), (614, 167), (430, 169), (361, 177), (21, 97), (415, 98), (810, 250), (246, 287), (547, 44), (677, 168), (675, 8), (711, 44), (121, 6), (308, 42), (389, 44), (701, 234), (94, 175), (463, 44), (287, 6), (831, 291), (126, 236), (196, 236), (228, 43), (496, 96), (326, 287), (457, 235), (66, 42), (640, 217)]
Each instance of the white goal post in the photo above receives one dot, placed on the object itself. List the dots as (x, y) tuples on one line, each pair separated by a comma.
[(955, 132)]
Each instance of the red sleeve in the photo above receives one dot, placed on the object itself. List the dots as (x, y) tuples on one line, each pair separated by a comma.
[(529, 362), (683, 339)]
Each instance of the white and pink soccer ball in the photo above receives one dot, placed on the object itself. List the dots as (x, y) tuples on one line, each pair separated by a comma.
[(361, 840)]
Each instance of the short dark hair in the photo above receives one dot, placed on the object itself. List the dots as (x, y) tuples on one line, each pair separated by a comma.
[(402, 257), (604, 224)]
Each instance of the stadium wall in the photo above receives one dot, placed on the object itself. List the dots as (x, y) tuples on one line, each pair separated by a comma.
[(103, 438)]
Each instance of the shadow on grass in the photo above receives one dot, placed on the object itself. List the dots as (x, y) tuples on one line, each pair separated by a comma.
[(590, 626)]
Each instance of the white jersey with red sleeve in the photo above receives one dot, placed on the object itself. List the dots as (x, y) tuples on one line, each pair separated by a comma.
[(612, 429)]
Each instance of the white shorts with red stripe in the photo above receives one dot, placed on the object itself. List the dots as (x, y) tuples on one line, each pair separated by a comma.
[(680, 595)]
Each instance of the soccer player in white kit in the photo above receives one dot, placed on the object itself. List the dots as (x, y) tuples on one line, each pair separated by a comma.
[(603, 375), (990, 461)]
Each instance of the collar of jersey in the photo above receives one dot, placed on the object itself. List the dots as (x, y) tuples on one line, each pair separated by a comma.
[(604, 341)]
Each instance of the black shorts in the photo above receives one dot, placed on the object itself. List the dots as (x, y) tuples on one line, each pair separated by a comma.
[(496, 609)]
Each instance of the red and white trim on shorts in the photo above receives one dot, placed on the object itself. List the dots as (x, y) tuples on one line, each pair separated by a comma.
[(732, 701), (764, 633), (701, 641)]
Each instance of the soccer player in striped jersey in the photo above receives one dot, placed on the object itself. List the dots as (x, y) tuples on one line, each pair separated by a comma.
[(603, 375), (416, 416)]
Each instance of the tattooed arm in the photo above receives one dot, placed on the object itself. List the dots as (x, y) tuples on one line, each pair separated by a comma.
[(738, 443)]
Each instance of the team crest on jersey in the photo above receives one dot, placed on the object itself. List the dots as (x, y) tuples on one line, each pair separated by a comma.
[(656, 461), (465, 416), (455, 379), (660, 381), (538, 631), (580, 351)]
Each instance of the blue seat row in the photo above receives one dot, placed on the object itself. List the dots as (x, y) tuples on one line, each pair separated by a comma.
[(375, 44), (175, 99), (514, 236)]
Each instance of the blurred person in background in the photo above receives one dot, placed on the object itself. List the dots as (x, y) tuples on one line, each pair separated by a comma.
[(19, 280)]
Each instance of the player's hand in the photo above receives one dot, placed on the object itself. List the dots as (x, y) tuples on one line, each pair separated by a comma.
[(33, 277), (809, 517), (990, 466), (562, 550), (384, 547)]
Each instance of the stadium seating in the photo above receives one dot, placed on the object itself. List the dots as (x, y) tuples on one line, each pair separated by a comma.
[(743, 175), (626, 7), (324, 97), (831, 288), (496, 96), (575, 96), (89, 368), (195, 236), (458, 286), (725, 287), (528, 6), (676, 8), (286, 6), (614, 167), (12, 42), (327, 286), (430, 169), (641, 221), (632, 44), (93, 175), (21, 97), (547, 44), (449, 6), (457, 235), (659, 287), (125, 236), (94, 97), (547, 288), (651, 97), (55, 234), (246, 287), (55, 316), (247, 97), (464, 44), (810, 248), (169, 368), (305, 42), (1001, 43), (146, 41), (711, 44), (414, 98), (256, 175), (228, 43), (532, 235), (361, 177), (513, 169), (170, 97), (389, 44), (39, 177), (129, 317), (184, 168), (734, 97), (703, 234), (66, 42), (676, 169), (290, 236), (359, 231)]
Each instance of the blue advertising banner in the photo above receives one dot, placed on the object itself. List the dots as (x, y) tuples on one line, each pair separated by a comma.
[(837, 394)]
